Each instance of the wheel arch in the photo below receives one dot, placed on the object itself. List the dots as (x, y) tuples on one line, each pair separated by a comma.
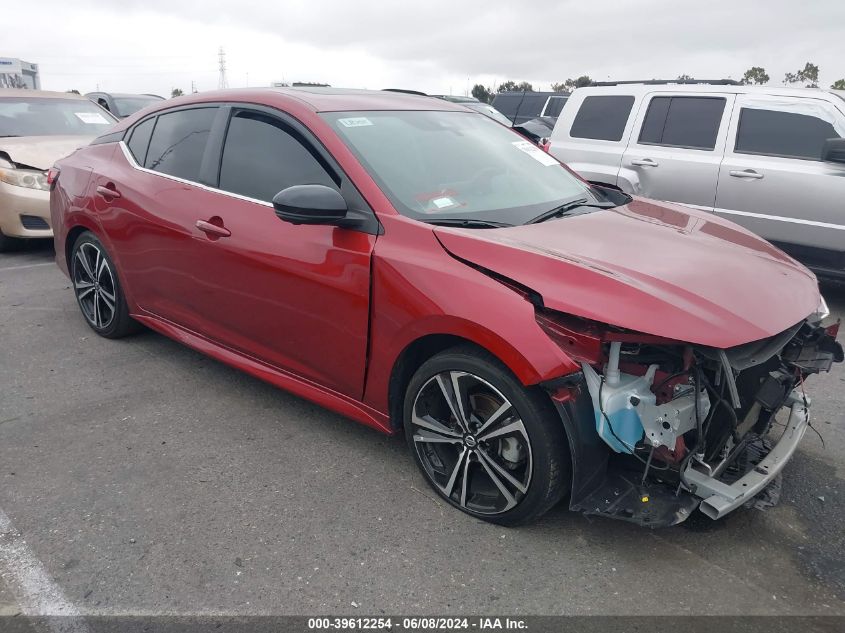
[(409, 360)]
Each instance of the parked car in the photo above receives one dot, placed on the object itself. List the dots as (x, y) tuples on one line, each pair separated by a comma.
[(479, 106), (769, 158), (37, 128), (122, 105), (538, 130), (519, 107), (427, 271)]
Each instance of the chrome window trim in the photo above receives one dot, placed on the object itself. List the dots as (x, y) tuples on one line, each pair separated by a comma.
[(134, 164)]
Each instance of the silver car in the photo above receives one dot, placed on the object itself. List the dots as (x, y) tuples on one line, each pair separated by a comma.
[(771, 159)]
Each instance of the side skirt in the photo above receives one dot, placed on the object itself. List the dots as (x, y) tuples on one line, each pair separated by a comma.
[(337, 402)]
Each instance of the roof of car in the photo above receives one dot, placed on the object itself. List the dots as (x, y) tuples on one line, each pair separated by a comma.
[(639, 89), (124, 94), (41, 94), (327, 99)]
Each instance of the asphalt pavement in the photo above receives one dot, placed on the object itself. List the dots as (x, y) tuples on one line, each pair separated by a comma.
[(140, 477)]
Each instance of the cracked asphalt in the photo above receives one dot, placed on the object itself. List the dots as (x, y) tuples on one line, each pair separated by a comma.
[(148, 479)]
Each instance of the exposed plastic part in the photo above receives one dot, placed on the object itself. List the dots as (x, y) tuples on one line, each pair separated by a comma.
[(628, 410)]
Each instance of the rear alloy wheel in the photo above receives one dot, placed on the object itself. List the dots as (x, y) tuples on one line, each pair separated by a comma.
[(485, 443), (97, 289)]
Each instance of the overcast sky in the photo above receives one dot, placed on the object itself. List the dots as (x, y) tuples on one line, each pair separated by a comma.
[(437, 46)]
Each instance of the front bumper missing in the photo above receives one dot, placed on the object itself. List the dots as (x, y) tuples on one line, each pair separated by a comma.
[(719, 498)]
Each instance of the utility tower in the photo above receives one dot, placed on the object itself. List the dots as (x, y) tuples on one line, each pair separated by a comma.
[(222, 82)]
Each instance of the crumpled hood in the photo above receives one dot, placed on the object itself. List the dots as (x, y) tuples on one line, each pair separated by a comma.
[(653, 267), (41, 151)]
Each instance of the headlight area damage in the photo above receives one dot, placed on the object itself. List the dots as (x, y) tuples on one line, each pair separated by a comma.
[(659, 427)]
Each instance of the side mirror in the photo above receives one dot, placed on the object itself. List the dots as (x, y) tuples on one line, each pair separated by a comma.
[(833, 150), (310, 204)]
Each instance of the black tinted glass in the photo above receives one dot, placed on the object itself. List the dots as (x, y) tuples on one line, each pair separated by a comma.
[(140, 140), (554, 106), (683, 121), (506, 104), (782, 134), (532, 105), (602, 117), (261, 157), (178, 142), (655, 119)]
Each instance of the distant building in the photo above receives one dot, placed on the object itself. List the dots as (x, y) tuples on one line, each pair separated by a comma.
[(16, 73), (298, 84)]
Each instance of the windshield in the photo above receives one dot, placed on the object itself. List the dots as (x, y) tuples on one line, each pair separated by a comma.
[(33, 116), (455, 165), (124, 106)]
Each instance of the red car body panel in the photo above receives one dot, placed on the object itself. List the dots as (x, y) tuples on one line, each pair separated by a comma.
[(640, 266), (326, 312)]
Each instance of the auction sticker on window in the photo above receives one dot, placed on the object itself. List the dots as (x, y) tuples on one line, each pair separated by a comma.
[(535, 152), (358, 121), (92, 117)]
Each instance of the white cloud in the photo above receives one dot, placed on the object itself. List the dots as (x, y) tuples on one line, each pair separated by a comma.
[(437, 46)]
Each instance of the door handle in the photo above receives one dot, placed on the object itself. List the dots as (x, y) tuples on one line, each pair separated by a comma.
[(108, 192), (747, 173), (644, 162), (213, 229)]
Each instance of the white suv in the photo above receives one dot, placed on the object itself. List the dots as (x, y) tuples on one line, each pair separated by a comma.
[(771, 159)]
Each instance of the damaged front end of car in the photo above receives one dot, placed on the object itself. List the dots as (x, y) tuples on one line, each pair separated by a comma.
[(660, 427)]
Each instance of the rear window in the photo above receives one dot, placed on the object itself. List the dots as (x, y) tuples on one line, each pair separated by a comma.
[(786, 134), (178, 142), (691, 122), (34, 116), (602, 117), (507, 104)]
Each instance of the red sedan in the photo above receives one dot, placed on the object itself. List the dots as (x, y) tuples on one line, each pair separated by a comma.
[(422, 269)]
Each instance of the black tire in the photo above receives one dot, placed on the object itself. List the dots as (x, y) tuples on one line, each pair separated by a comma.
[(97, 289), (7, 243), (535, 455)]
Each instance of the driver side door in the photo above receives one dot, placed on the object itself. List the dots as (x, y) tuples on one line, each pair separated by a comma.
[(294, 296)]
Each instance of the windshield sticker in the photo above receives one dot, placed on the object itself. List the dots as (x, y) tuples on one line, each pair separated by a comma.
[(358, 121), (536, 153), (442, 203), (92, 117)]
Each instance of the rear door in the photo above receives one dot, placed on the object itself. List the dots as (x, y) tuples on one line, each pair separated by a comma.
[(773, 180), (677, 146), (150, 217)]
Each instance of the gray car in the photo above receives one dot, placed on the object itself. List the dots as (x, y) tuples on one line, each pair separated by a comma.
[(771, 159)]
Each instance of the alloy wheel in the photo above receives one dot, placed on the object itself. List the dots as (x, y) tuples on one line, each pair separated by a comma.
[(94, 285), (471, 442)]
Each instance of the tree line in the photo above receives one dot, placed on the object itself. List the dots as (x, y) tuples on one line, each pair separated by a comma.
[(756, 75)]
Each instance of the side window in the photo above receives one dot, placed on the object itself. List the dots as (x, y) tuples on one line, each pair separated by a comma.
[(178, 142), (777, 133), (261, 157), (602, 117), (140, 140), (683, 122)]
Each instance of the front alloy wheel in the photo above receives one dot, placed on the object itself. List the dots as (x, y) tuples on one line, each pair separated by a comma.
[(485, 443), (471, 442)]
